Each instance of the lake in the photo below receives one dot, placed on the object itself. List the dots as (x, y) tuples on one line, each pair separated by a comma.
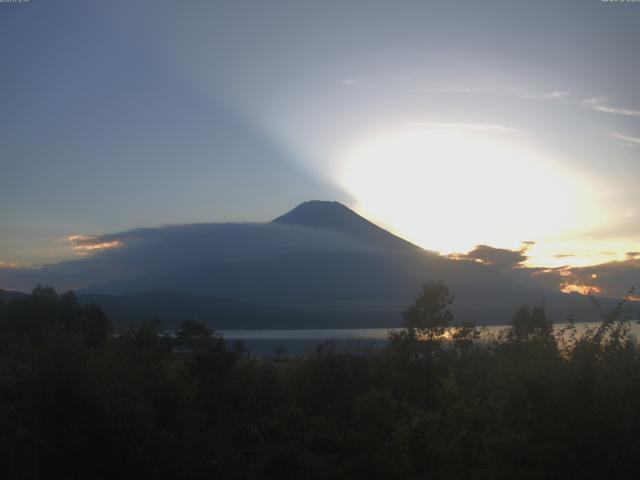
[(298, 342)]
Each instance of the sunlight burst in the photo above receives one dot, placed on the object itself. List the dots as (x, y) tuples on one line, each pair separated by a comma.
[(451, 189)]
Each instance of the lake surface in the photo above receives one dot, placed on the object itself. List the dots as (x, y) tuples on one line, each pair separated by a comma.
[(298, 342)]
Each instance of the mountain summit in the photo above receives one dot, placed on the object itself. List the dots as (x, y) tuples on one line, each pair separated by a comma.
[(336, 216)]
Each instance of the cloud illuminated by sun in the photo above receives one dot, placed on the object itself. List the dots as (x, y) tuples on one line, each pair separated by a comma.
[(579, 288), (86, 244), (571, 280)]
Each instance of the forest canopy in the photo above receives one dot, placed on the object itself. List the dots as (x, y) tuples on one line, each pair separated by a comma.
[(79, 399)]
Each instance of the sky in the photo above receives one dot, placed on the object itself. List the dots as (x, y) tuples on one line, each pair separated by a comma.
[(514, 125)]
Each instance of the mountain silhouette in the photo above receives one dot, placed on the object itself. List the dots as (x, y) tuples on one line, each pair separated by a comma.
[(172, 307), (6, 295), (320, 262), (336, 216)]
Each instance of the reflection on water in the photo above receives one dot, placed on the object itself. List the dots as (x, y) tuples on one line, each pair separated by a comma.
[(297, 342)]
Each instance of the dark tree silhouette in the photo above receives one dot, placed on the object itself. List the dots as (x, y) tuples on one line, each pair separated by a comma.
[(80, 401), (429, 316), (531, 325), (193, 335)]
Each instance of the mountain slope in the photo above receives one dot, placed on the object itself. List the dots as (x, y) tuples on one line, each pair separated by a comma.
[(335, 216), (6, 295), (172, 307)]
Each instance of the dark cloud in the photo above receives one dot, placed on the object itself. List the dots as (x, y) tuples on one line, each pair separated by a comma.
[(125, 255), (498, 257), (615, 278), (612, 279)]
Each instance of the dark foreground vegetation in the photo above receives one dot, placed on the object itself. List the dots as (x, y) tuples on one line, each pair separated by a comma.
[(80, 401)]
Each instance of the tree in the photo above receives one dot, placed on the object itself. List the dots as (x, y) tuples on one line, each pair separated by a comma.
[(429, 316), (279, 350), (425, 323), (193, 335), (240, 348), (531, 325)]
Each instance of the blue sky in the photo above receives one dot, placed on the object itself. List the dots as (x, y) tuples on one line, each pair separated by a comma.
[(117, 115)]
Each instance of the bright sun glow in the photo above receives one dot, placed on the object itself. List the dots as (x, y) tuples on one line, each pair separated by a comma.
[(450, 189), (579, 252)]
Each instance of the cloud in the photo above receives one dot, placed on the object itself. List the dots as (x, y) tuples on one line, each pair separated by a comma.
[(580, 288), (617, 110), (512, 92), (628, 140), (454, 90), (349, 81), (8, 265), (130, 254), (615, 278), (567, 280), (556, 94), (86, 244), (612, 279), (476, 127), (600, 104), (553, 95), (498, 257)]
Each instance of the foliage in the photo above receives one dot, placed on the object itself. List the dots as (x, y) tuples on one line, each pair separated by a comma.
[(80, 401), (194, 336), (429, 316)]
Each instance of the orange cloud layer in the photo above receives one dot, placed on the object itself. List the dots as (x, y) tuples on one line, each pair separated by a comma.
[(85, 244), (581, 289)]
